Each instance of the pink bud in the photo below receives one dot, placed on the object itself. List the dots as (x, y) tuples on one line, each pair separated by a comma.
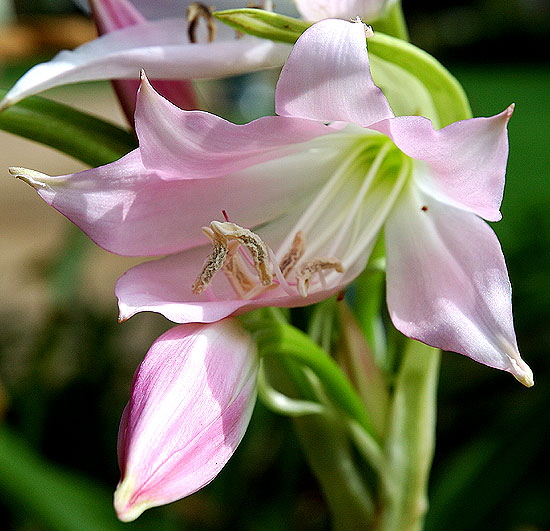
[(192, 398)]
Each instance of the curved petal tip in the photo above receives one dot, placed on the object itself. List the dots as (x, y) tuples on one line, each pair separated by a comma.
[(518, 368), (33, 178), (126, 508), (523, 373)]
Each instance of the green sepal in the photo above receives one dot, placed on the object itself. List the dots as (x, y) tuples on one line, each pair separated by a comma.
[(415, 83), (80, 135), (264, 24)]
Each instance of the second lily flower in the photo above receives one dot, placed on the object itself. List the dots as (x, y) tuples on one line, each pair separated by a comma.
[(316, 185)]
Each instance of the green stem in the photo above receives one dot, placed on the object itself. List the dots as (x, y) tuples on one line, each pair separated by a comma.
[(410, 441), (359, 363), (283, 340), (311, 375), (328, 452), (80, 135)]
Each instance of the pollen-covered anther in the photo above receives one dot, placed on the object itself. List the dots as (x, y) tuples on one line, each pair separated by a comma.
[(213, 263), (253, 243), (296, 251), (227, 238), (195, 12), (315, 265)]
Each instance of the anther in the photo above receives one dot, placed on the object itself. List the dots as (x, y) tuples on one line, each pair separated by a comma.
[(313, 266), (196, 11), (212, 264), (237, 272), (254, 244), (226, 240), (296, 251)]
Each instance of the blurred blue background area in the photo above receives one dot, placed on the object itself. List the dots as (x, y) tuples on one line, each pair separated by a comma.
[(65, 372)]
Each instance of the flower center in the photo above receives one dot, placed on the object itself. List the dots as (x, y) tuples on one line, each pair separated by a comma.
[(346, 215), (229, 242), (334, 235)]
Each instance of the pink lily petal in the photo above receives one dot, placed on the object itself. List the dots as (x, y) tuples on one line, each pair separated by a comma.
[(111, 15), (166, 209), (346, 9), (113, 204), (160, 47), (448, 285), (327, 77), (198, 144), (467, 159), (191, 402), (164, 286)]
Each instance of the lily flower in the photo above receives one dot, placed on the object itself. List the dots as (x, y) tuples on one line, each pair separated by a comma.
[(191, 402), (306, 194), (112, 15)]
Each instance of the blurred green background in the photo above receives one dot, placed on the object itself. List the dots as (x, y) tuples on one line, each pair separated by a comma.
[(65, 373)]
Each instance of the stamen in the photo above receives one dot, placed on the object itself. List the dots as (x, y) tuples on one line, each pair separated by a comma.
[(196, 11), (254, 244), (296, 251), (309, 218), (351, 213), (279, 275), (379, 216), (227, 239), (237, 272), (315, 265), (212, 265)]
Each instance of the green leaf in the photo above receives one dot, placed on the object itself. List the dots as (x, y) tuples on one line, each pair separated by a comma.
[(80, 135), (57, 499)]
